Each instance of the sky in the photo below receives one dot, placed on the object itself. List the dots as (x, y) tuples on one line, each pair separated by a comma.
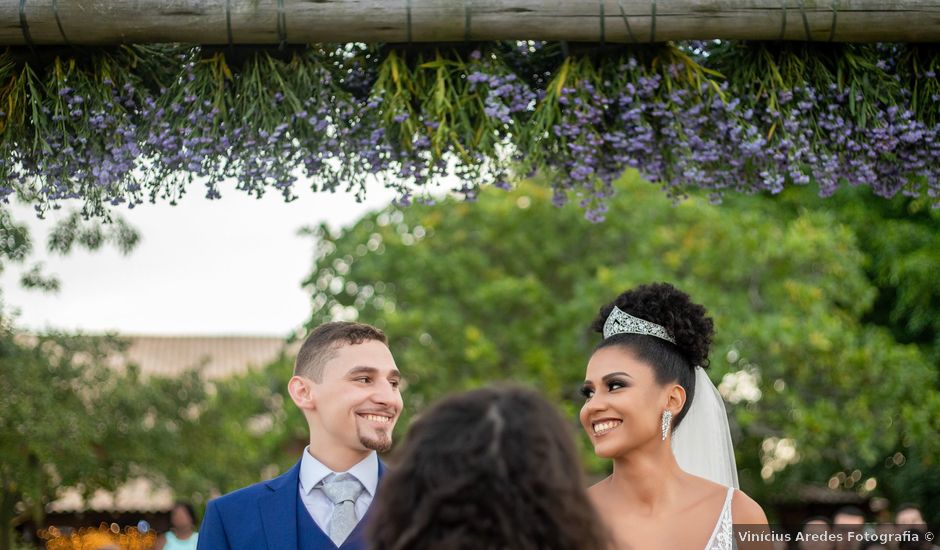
[(232, 266)]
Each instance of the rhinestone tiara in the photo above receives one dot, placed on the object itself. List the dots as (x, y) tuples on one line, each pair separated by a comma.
[(621, 322)]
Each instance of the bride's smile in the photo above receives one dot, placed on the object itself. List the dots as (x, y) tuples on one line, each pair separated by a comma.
[(622, 404), (602, 427)]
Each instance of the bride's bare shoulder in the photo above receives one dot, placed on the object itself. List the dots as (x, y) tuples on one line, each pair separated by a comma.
[(746, 511), (705, 488)]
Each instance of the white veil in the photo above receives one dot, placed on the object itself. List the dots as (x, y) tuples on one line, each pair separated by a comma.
[(702, 442)]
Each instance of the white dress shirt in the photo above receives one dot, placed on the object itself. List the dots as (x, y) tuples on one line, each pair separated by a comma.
[(320, 507)]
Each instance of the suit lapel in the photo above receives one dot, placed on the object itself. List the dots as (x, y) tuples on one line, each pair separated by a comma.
[(279, 510)]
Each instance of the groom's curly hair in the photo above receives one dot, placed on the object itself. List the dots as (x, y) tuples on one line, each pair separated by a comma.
[(494, 468), (687, 322)]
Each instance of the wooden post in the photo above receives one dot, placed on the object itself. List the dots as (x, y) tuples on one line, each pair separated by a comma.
[(101, 22)]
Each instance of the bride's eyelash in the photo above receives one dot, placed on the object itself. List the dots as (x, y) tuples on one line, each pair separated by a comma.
[(621, 383), (586, 392)]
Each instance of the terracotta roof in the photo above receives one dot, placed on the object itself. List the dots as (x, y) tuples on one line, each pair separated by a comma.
[(215, 356)]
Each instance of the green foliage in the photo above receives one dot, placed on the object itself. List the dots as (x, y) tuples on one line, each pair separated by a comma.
[(75, 232), (68, 418), (899, 240), (505, 289), (248, 430)]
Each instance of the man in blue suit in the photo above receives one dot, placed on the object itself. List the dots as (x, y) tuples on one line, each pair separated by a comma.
[(347, 386)]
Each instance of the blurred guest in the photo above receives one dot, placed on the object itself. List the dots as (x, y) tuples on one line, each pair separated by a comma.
[(491, 468), (848, 515), (182, 534), (847, 520), (883, 525), (816, 534), (909, 515)]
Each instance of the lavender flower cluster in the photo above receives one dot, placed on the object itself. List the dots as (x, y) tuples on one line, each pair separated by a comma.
[(706, 137), (340, 124)]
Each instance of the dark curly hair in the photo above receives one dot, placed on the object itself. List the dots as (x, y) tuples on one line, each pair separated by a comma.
[(494, 468), (684, 320)]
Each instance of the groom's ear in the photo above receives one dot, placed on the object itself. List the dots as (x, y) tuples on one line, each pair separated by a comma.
[(301, 392), (675, 399)]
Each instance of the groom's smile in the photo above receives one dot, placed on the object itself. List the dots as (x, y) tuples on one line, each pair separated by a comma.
[(379, 422), (377, 418), (358, 401)]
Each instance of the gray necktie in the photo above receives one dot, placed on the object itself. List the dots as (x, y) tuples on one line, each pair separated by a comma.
[(343, 490)]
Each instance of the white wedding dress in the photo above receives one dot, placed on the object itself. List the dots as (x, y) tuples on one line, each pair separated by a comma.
[(723, 536)]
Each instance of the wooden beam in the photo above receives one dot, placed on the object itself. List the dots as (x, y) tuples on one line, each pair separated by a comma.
[(103, 22)]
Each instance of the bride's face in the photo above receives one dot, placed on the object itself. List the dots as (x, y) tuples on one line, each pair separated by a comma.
[(623, 403)]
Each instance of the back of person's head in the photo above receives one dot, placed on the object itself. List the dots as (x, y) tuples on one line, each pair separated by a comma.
[(814, 534), (848, 515), (908, 514), (816, 520), (323, 341), (490, 468)]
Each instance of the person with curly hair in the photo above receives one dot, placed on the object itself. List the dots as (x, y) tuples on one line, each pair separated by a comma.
[(652, 410), (493, 468)]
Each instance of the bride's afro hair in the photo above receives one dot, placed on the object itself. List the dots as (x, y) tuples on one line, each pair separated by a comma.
[(661, 303)]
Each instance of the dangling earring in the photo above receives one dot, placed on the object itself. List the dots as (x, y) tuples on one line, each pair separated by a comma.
[(667, 418)]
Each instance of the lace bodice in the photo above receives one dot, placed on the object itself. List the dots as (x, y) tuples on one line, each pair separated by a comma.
[(723, 536)]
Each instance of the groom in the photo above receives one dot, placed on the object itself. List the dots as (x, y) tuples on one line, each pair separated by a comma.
[(347, 386)]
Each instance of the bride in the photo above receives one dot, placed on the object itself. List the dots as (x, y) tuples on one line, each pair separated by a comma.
[(647, 395)]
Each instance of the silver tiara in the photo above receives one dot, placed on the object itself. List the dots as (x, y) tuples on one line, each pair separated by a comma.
[(621, 322)]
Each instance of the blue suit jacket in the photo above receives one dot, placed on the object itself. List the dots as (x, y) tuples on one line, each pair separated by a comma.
[(262, 516)]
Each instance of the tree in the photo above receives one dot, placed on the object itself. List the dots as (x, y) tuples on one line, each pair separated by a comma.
[(248, 431), (899, 238), (504, 290), (66, 418), (69, 419)]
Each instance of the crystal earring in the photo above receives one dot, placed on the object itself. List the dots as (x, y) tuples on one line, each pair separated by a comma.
[(667, 418)]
